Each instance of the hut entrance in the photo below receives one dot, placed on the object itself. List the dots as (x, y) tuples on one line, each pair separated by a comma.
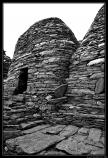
[(22, 82)]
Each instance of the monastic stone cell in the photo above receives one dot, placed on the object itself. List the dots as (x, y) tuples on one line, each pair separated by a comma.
[(45, 48), (86, 71)]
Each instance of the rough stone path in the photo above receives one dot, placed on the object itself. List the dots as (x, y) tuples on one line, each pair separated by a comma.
[(46, 139), (27, 132)]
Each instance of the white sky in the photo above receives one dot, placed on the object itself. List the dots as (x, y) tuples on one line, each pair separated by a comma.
[(18, 17)]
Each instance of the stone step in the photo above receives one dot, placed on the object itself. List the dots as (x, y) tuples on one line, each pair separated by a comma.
[(31, 124), (36, 128), (27, 118), (11, 134), (11, 126)]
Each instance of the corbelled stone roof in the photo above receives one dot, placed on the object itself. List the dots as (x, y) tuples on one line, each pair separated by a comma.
[(45, 48)]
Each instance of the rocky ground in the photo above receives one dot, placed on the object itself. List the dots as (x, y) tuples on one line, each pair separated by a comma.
[(29, 132), (47, 139)]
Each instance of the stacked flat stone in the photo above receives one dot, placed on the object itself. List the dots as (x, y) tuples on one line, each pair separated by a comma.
[(45, 48), (18, 116), (86, 79), (6, 64)]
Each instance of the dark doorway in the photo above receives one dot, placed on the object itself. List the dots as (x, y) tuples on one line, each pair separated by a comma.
[(22, 83)]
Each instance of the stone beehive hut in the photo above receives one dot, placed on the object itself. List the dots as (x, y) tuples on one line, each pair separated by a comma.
[(86, 89), (41, 58), (39, 65)]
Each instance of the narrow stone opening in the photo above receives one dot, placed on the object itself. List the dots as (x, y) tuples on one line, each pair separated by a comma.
[(22, 82)]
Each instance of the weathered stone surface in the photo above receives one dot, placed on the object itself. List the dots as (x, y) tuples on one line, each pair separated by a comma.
[(52, 153), (11, 134), (102, 140), (57, 100), (94, 134), (14, 116), (69, 130), (97, 75), (19, 98), (60, 91), (9, 102), (31, 124), (75, 146), (6, 64), (99, 86), (96, 61), (82, 91), (49, 97), (102, 67), (32, 143), (35, 129), (98, 152), (94, 143), (100, 104), (83, 130), (54, 129), (29, 104), (79, 138)]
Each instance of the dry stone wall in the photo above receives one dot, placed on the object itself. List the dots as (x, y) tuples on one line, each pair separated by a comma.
[(6, 64), (45, 48), (86, 85)]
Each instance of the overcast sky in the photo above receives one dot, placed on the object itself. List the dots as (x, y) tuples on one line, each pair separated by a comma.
[(18, 17)]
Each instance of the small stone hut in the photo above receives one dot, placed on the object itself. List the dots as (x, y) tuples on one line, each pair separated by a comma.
[(41, 58), (86, 85)]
